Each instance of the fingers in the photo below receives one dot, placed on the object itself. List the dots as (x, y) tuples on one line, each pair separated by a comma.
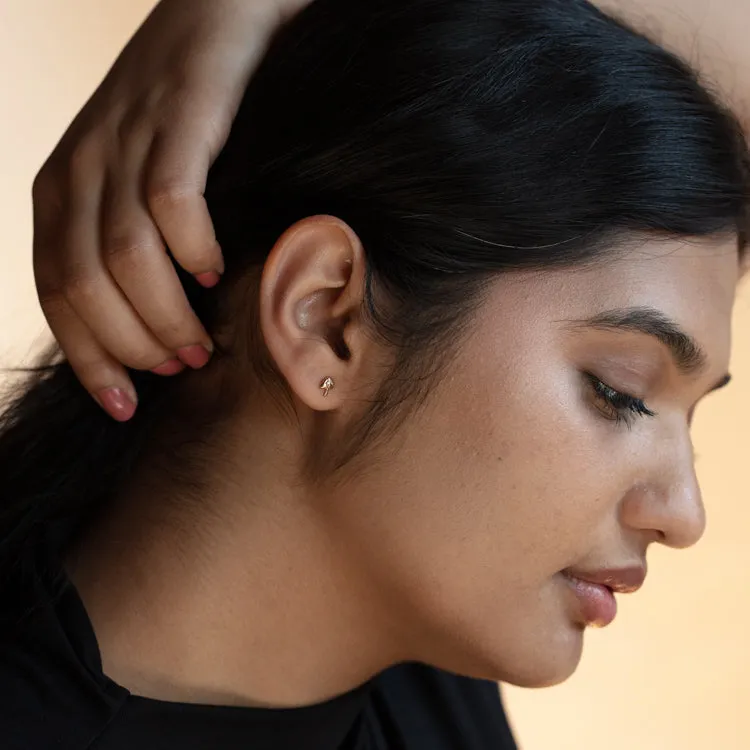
[(136, 257), (79, 288), (100, 374), (178, 168), (112, 296), (92, 292), (104, 377)]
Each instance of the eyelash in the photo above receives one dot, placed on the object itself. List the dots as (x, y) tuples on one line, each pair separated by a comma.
[(620, 408)]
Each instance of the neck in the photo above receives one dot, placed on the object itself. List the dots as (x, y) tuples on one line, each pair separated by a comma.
[(245, 599)]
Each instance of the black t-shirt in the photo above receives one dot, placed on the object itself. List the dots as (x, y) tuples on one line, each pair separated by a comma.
[(54, 696)]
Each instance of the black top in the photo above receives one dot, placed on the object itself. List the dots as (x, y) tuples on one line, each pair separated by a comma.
[(56, 697)]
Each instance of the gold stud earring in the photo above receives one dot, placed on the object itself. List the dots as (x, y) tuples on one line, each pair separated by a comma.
[(326, 386)]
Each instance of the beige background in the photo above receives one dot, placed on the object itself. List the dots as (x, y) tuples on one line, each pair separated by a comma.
[(673, 671)]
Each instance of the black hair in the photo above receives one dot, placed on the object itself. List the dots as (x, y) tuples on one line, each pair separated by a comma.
[(459, 139)]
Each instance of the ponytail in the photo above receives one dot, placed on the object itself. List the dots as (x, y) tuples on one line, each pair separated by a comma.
[(62, 457)]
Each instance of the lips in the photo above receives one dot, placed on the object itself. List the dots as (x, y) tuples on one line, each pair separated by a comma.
[(595, 591), (620, 580)]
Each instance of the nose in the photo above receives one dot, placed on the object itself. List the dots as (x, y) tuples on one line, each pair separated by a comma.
[(669, 506)]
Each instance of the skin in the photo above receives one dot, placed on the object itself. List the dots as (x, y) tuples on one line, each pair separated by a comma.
[(446, 543), (131, 170)]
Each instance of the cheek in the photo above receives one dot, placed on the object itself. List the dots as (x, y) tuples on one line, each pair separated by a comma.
[(486, 499), (501, 490), (521, 486), (525, 473), (492, 499)]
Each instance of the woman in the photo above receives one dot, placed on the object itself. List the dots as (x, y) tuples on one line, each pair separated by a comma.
[(457, 349)]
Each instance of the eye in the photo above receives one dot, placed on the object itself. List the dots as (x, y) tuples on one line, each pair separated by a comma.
[(616, 406)]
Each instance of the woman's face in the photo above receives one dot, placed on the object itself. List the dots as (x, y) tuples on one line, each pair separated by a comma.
[(557, 444)]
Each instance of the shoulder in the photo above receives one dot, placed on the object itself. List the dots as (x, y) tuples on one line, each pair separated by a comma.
[(52, 694)]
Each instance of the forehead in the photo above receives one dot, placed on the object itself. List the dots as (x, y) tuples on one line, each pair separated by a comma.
[(687, 278), (693, 282)]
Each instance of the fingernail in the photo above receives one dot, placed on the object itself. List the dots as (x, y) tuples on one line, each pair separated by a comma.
[(117, 403), (170, 367), (209, 279), (194, 356)]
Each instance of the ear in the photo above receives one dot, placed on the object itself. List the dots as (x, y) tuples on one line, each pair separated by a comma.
[(311, 295)]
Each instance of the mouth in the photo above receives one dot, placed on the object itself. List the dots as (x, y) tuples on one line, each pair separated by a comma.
[(595, 592)]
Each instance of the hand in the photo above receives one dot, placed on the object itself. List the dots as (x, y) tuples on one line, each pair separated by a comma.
[(127, 177)]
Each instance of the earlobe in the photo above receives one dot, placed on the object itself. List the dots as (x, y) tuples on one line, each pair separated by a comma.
[(311, 293)]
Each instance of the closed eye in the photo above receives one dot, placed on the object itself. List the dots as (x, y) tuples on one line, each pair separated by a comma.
[(616, 406)]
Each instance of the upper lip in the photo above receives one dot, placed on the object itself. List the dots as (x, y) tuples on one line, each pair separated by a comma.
[(620, 580)]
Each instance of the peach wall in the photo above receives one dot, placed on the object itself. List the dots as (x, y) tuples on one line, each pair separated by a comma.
[(674, 670)]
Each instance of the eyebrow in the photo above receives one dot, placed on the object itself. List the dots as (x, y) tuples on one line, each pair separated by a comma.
[(687, 354)]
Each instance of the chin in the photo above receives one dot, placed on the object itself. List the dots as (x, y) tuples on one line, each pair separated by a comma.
[(538, 647), (549, 664), (540, 678), (538, 663)]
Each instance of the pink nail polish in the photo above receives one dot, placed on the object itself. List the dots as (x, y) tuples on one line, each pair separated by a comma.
[(209, 279), (170, 367), (194, 356), (117, 403)]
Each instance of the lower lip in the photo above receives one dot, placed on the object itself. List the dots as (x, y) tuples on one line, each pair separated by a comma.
[(598, 603)]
